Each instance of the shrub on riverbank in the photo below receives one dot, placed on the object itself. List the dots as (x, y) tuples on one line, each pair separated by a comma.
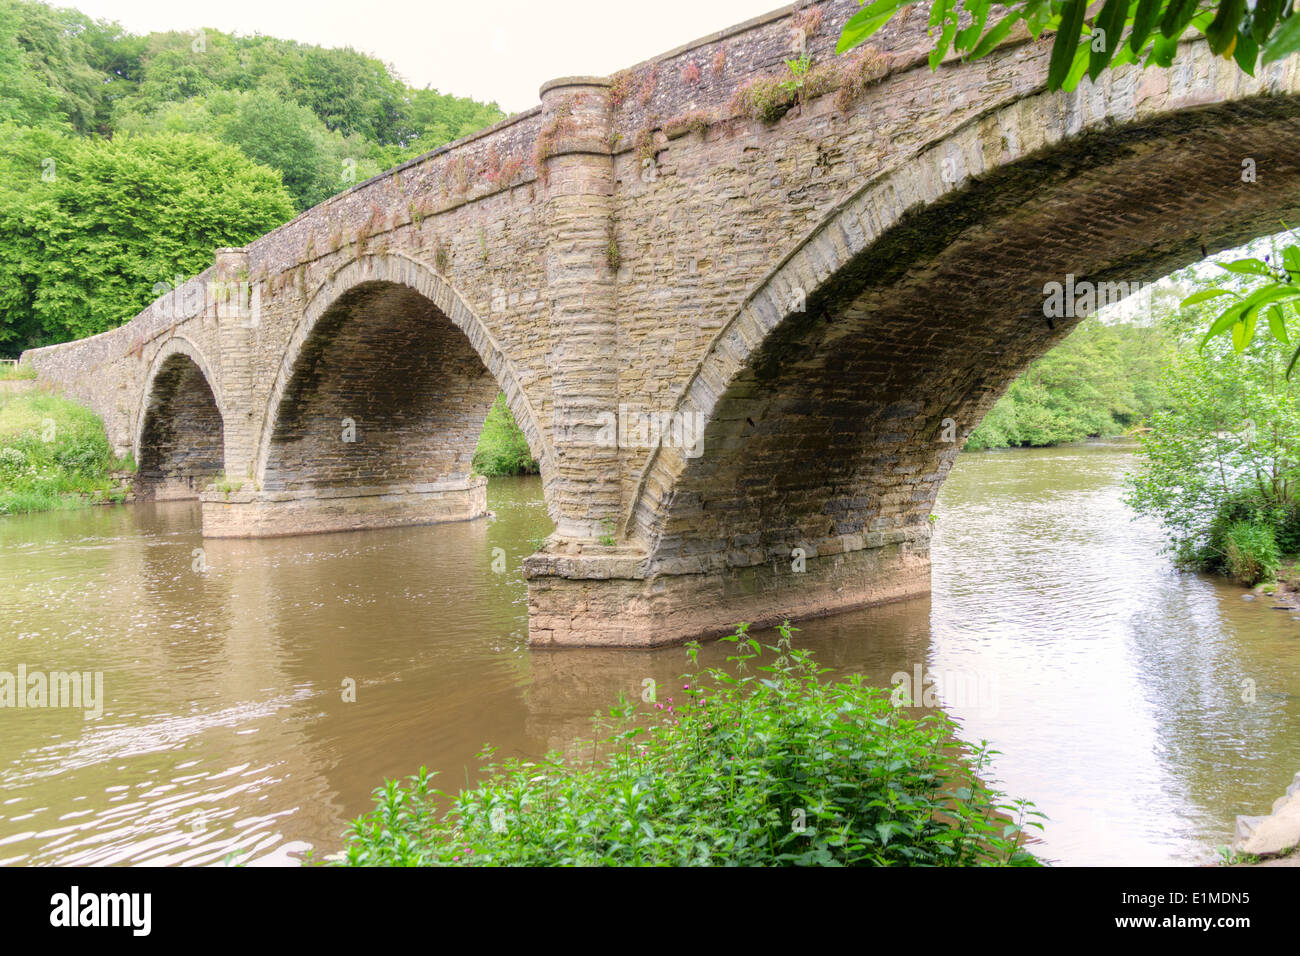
[(777, 768), (1221, 466), (53, 454), (502, 448)]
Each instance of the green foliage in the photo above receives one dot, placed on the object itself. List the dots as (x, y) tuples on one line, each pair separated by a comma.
[(53, 454), (776, 768), (15, 372), (768, 98), (145, 142), (1250, 552), (84, 249), (1272, 284), (502, 448), (285, 136), (607, 532), (1119, 31), (1221, 464), (1101, 381)]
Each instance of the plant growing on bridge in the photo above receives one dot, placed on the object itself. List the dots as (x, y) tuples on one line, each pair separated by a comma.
[(768, 98), (1120, 31), (608, 528), (775, 768)]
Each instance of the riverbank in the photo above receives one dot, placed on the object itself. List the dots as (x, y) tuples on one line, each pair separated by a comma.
[(54, 454), (1284, 590), (1274, 838)]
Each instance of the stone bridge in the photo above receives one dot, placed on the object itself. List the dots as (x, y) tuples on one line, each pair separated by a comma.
[(744, 341)]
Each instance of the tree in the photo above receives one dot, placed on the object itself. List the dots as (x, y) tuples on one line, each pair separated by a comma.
[(91, 227), (1102, 380), (286, 137), (1222, 461)]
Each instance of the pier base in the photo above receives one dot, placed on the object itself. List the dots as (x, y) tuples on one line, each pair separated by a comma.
[(254, 514), (608, 600)]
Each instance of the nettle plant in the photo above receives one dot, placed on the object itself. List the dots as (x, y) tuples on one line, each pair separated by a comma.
[(771, 765)]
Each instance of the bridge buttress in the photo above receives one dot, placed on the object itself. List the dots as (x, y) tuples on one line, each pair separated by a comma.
[(238, 314), (578, 179)]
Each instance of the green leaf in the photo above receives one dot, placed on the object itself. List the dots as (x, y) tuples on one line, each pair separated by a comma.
[(1163, 51), (1277, 324), (1204, 296), (1249, 267), (1294, 355), (945, 40), (967, 37), (1285, 40), (1244, 331), (996, 35), (1222, 31), (1246, 53), (1178, 14), (1078, 67), (1225, 321), (1291, 260), (1263, 18), (1111, 22), (1143, 21), (867, 21), (1064, 47)]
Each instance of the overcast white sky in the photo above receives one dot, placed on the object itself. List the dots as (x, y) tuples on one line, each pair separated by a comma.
[(503, 50)]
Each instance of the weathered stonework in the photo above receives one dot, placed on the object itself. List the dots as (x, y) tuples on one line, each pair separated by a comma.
[(832, 301), (251, 514)]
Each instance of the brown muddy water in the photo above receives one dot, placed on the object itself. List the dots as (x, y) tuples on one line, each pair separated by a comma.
[(1112, 685)]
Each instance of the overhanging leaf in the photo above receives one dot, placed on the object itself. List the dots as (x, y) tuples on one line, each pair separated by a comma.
[(1065, 44)]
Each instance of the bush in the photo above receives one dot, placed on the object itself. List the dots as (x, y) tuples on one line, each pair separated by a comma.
[(1250, 553), (777, 769), (1247, 537), (502, 448)]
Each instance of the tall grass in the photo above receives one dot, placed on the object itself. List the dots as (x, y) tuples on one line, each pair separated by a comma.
[(53, 454), (14, 372)]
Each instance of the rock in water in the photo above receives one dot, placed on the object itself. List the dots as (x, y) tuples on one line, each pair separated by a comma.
[(1277, 833)]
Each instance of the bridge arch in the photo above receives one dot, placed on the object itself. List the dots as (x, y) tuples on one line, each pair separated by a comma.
[(384, 384), (834, 402), (180, 425)]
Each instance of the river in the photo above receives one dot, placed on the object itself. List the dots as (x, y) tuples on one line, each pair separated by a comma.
[(1111, 684)]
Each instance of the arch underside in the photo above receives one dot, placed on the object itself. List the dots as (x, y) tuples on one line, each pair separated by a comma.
[(823, 453), (830, 438), (376, 426), (386, 391), (181, 446)]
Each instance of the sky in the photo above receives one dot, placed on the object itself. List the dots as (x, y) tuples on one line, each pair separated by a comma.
[(503, 51)]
